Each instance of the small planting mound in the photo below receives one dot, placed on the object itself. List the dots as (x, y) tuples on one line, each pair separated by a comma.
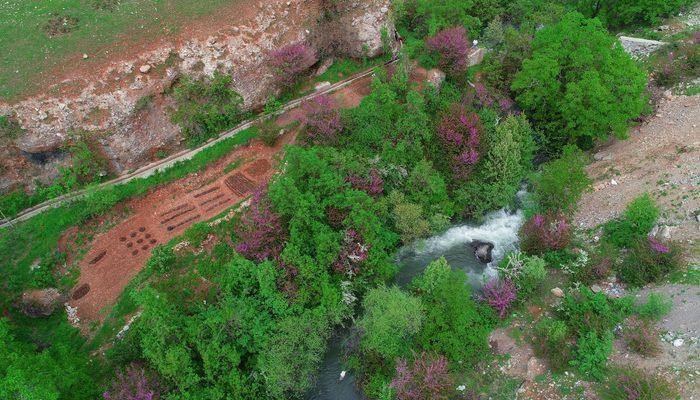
[(200, 194), (81, 291), (59, 25), (240, 184), (98, 257), (258, 167)]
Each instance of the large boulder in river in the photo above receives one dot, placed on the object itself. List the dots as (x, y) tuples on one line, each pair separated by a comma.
[(482, 250), (40, 302)]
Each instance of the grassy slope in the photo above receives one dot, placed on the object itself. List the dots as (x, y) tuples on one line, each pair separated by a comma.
[(27, 51)]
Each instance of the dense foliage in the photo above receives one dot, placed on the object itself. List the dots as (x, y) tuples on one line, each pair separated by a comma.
[(618, 14), (579, 85)]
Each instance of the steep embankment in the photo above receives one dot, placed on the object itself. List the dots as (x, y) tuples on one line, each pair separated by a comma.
[(104, 99)]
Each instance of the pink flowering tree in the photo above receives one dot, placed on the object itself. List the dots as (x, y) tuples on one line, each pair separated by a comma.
[(452, 47), (545, 232), (322, 120), (132, 384), (500, 294), (427, 378), (260, 230), (290, 62), (460, 131), (353, 252), (373, 184)]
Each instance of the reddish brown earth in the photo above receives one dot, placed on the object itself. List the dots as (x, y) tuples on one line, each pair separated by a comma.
[(116, 256)]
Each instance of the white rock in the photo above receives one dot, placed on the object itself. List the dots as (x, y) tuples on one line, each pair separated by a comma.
[(461, 388), (596, 288), (144, 69), (678, 342), (85, 56), (613, 182), (557, 292), (322, 85), (342, 375)]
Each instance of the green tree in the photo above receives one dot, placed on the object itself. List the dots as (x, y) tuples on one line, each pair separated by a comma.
[(390, 321), (453, 325), (561, 182), (621, 13), (579, 85)]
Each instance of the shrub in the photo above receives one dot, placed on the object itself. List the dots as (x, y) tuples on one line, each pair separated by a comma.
[(638, 219), (642, 337), (526, 272), (390, 321), (579, 85), (553, 341), (499, 294), (459, 132), (648, 261), (373, 184), (452, 47), (561, 182), (352, 253), (9, 127), (618, 14), (206, 108), (260, 232), (586, 311), (629, 383), (132, 384), (290, 62), (322, 120), (427, 378), (592, 351), (453, 325), (656, 307), (268, 132), (597, 267), (409, 218), (543, 233)]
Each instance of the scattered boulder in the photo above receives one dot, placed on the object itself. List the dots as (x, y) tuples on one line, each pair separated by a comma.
[(557, 292), (322, 86), (435, 77), (40, 302), (144, 69), (476, 56), (534, 368), (639, 48), (596, 288), (325, 65), (482, 250)]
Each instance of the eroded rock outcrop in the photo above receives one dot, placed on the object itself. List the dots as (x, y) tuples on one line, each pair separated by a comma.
[(112, 106)]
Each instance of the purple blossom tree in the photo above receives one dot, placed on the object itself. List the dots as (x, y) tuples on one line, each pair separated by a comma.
[(372, 185), (132, 384), (322, 120), (427, 378), (290, 62), (499, 294), (546, 232), (459, 132), (353, 252), (260, 230), (452, 46)]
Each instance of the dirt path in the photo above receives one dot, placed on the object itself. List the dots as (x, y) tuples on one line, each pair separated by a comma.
[(116, 256), (661, 157)]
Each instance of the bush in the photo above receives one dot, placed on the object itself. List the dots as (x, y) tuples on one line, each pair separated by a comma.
[(10, 129), (598, 266), (453, 325), (579, 85), (543, 233), (638, 219), (427, 378), (629, 383), (459, 132), (268, 132), (648, 261), (390, 321), (322, 120), (656, 307), (205, 109), (409, 218), (642, 337), (452, 48), (260, 232), (592, 351), (553, 341), (561, 182), (132, 384), (527, 272), (352, 253), (499, 294), (586, 311), (622, 13), (290, 62)]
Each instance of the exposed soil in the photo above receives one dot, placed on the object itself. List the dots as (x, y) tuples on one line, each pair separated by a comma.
[(116, 256), (662, 158)]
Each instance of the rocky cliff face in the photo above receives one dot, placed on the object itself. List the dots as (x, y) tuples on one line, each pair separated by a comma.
[(130, 130)]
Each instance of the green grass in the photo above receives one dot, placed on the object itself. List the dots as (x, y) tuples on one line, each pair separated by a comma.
[(38, 237), (343, 68), (29, 54)]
